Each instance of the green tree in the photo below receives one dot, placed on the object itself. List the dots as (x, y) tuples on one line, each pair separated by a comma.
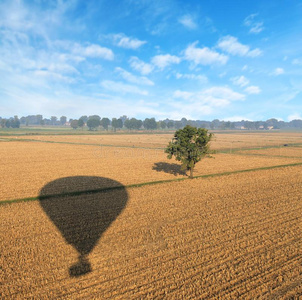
[(117, 123), (53, 120), (63, 120), (133, 124), (189, 146), (150, 123), (84, 118), (7, 123), (15, 122), (170, 124), (105, 122), (74, 124), (3, 121), (93, 123), (81, 123), (138, 124), (178, 124), (94, 117), (163, 125)]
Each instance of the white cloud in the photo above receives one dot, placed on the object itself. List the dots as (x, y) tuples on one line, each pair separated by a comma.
[(182, 94), (124, 41), (162, 61), (204, 56), (60, 67), (140, 66), (240, 80), (278, 71), (134, 79), (224, 93), (255, 27), (231, 45), (253, 89), (53, 76), (187, 21), (201, 78), (179, 111), (212, 97), (93, 51), (294, 116), (119, 87), (21, 16), (297, 62)]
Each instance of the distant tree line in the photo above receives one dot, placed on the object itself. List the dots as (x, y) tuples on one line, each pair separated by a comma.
[(10, 123), (94, 122)]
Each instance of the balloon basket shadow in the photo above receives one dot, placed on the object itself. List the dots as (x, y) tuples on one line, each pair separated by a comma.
[(82, 267)]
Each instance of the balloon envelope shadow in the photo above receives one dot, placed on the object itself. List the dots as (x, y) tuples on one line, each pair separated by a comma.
[(82, 208)]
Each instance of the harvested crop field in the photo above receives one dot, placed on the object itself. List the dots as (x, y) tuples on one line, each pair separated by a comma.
[(222, 140), (251, 140), (121, 140), (28, 166), (279, 151), (124, 222), (228, 237)]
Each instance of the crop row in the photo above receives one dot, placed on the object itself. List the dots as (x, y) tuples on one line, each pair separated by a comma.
[(28, 166), (233, 236)]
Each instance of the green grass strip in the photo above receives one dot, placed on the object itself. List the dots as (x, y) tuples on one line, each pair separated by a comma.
[(224, 150), (135, 185), (266, 155), (82, 144), (235, 150)]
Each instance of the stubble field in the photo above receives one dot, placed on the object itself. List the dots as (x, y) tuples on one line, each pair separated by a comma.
[(227, 236), (222, 140)]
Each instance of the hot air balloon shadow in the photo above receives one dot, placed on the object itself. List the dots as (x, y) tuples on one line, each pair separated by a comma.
[(82, 208)]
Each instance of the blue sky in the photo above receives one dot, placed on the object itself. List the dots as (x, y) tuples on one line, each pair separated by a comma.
[(230, 60)]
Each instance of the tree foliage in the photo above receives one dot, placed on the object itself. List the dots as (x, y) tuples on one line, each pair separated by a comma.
[(74, 124), (105, 122), (133, 124), (170, 124), (150, 123), (63, 120), (81, 123), (53, 120), (84, 118), (93, 123), (189, 146), (163, 125), (117, 123)]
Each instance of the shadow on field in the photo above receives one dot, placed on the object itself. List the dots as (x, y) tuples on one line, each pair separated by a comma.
[(174, 169), (82, 212)]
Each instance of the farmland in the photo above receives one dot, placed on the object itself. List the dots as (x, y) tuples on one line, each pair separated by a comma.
[(222, 140), (232, 232)]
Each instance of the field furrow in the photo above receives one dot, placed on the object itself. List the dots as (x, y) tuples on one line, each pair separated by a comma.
[(205, 238)]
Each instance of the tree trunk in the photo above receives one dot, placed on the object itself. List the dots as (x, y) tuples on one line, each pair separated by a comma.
[(191, 173)]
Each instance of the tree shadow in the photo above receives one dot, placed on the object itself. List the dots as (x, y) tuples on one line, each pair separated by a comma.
[(174, 169), (82, 209)]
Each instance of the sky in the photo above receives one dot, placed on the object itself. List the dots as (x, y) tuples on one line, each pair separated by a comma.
[(198, 59)]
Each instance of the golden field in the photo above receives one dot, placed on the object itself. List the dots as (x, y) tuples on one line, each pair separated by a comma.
[(279, 151), (235, 236), (226, 237), (222, 140), (255, 139), (28, 166)]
